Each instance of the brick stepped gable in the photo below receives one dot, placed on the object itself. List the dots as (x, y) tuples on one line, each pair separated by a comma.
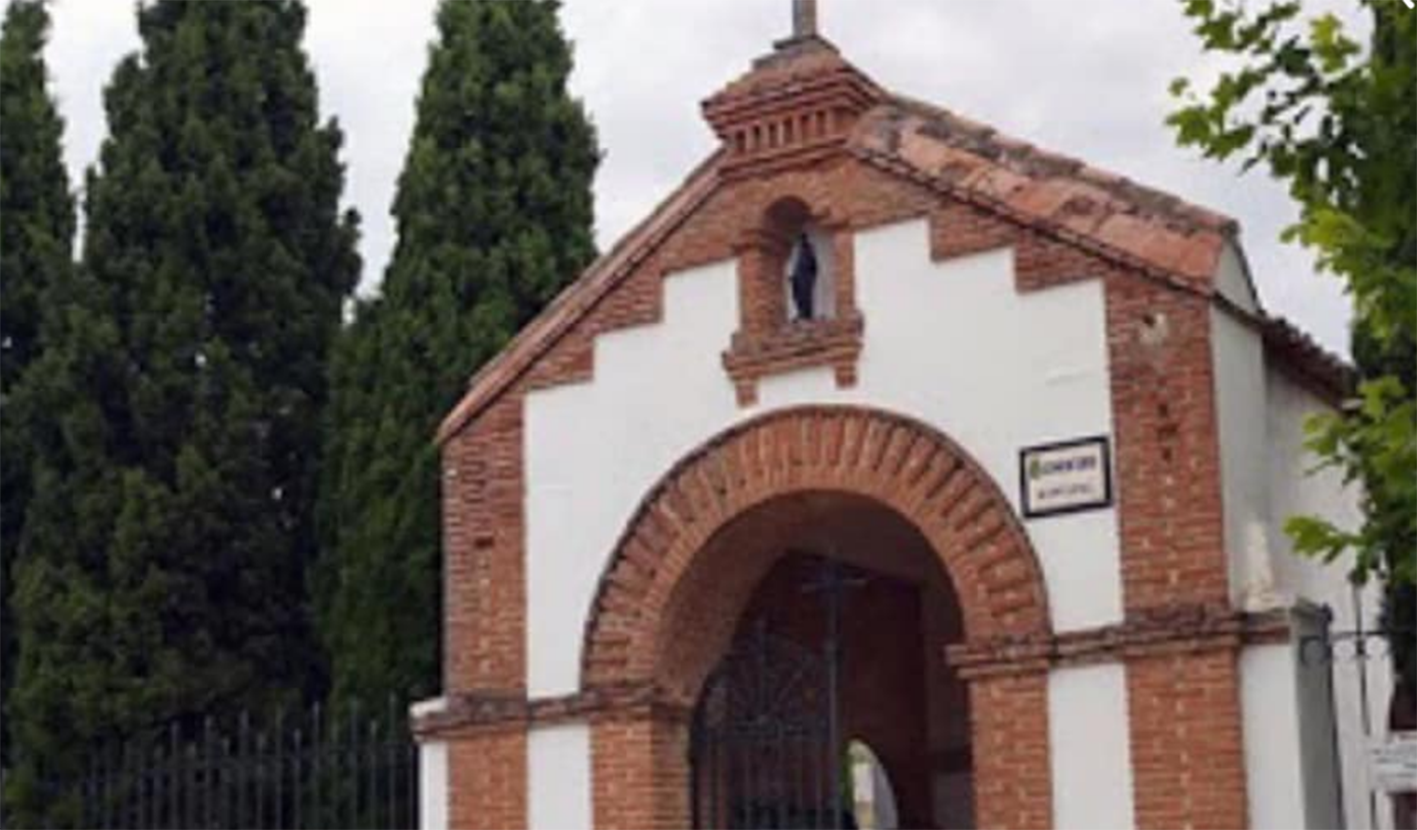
[(804, 106)]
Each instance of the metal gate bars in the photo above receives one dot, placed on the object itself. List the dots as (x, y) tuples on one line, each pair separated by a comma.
[(765, 746)]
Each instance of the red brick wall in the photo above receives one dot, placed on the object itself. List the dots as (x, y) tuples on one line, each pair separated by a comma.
[(487, 776), (1013, 784), (640, 769), (484, 586), (1186, 742), (1188, 764), (1167, 447)]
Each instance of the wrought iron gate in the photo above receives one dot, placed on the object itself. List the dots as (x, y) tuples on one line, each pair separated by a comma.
[(764, 753), (766, 748)]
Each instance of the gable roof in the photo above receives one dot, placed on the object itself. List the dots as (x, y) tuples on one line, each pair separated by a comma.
[(1110, 214), (1106, 214)]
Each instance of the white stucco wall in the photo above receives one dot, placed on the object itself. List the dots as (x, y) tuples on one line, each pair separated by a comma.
[(1267, 476), (433, 785), (1273, 776), (558, 777), (1232, 279), (1296, 490), (1090, 747), (952, 344), (432, 770), (1238, 355)]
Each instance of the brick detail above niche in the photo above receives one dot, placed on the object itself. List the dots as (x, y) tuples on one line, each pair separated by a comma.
[(798, 105), (800, 344)]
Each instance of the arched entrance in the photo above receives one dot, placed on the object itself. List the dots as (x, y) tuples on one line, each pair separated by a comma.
[(839, 641), (735, 538)]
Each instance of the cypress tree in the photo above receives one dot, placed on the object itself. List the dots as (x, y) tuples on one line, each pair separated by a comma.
[(36, 238), (494, 217), (162, 571)]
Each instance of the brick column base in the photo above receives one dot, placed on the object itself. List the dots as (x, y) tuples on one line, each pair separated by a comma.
[(1188, 762), (640, 769), (1013, 784), (487, 777)]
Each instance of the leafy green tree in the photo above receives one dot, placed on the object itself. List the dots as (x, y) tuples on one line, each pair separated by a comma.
[(494, 216), (162, 575), (36, 246), (1338, 123)]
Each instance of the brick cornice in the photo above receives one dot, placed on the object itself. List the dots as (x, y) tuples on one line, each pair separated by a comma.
[(1173, 629)]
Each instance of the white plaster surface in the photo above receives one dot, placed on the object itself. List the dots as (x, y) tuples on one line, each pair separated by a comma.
[(951, 344), (558, 769), (1271, 738), (1296, 489), (433, 785), (1267, 476), (1090, 747), (1241, 414), (1232, 279)]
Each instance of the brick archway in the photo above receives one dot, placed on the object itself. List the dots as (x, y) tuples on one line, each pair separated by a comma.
[(897, 461), (635, 635)]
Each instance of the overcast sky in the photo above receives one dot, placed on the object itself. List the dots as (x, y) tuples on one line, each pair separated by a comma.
[(1087, 78)]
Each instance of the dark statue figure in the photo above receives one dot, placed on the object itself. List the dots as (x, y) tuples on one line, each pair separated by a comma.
[(804, 278)]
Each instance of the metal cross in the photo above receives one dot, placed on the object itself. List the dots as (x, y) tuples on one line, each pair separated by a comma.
[(804, 19), (832, 585)]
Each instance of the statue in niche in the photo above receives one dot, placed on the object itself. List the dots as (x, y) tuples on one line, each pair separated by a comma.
[(804, 278)]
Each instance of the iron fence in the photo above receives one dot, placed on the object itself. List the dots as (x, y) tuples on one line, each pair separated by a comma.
[(355, 770)]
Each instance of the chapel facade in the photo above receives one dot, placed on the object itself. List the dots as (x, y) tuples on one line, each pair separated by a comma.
[(894, 472)]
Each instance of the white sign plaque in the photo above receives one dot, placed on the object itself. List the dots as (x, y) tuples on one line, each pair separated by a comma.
[(1393, 763), (1065, 477)]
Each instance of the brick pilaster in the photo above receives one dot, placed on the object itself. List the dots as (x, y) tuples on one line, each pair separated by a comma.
[(640, 769), (1013, 785), (1188, 763), (487, 775)]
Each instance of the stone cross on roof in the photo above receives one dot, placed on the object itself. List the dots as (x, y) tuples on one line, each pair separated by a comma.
[(804, 19)]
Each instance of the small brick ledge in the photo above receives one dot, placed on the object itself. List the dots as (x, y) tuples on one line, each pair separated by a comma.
[(494, 711), (1175, 629), (800, 344), (1178, 629)]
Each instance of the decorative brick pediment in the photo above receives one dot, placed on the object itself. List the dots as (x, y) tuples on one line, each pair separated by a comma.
[(798, 104)]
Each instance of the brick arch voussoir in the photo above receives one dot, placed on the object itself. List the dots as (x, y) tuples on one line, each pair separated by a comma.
[(897, 461)]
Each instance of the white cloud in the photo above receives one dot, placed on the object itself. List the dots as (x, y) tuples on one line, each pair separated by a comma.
[(1086, 78)]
